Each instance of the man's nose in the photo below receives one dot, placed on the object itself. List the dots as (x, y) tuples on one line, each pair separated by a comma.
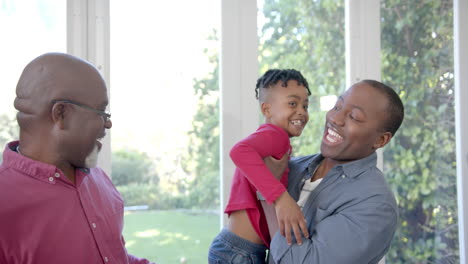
[(108, 124), (337, 118)]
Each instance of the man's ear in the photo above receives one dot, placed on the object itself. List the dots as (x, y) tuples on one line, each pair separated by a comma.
[(265, 107), (382, 140), (58, 115)]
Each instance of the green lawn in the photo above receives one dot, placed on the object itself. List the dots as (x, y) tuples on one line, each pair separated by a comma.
[(170, 237)]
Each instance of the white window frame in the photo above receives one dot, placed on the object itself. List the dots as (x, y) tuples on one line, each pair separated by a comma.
[(238, 75), (460, 9), (88, 37), (362, 38)]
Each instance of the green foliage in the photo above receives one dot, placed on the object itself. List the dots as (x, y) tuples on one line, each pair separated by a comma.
[(153, 196), (202, 159), (131, 166), (417, 55)]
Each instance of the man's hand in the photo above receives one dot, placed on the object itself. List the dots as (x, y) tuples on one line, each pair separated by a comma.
[(290, 217), (277, 167)]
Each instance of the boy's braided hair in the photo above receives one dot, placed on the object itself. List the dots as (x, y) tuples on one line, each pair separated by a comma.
[(273, 76)]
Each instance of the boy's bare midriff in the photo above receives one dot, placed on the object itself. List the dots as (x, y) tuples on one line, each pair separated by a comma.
[(239, 224)]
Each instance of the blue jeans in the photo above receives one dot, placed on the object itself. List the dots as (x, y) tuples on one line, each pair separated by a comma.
[(228, 248)]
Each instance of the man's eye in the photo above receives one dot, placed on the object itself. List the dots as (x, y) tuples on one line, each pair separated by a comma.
[(292, 104), (355, 118)]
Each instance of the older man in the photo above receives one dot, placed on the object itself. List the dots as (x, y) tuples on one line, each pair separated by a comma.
[(55, 206), (351, 212)]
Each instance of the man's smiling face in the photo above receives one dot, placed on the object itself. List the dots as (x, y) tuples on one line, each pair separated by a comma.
[(354, 126)]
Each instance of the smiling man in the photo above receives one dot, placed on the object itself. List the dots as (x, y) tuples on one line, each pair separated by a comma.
[(351, 212), (55, 206)]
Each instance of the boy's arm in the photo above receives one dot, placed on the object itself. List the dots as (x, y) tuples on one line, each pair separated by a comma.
[(248, 155), (287, 215)]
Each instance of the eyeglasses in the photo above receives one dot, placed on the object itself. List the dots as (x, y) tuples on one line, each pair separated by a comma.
[(105, 115)]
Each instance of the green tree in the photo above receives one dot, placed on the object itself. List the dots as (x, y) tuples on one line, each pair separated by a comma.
[(417, 59), (202, 160), (132, 167)]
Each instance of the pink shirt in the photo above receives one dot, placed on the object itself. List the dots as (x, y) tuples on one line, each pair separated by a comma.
[(252, 174), (45, 218)]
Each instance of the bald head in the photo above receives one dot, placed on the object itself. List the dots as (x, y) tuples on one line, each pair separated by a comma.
[(54, 76), (60, 99)]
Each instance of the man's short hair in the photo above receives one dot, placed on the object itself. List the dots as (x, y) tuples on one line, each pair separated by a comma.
[(395, 109), (273, 76)]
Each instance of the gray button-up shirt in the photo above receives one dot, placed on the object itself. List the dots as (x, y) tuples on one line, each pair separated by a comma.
[(351, 215)]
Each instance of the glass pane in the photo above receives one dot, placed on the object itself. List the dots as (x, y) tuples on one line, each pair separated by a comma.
[(419, 163), (307, 36), (28, 29), (165, 134)]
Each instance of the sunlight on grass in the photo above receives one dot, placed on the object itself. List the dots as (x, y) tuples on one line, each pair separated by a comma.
[(148, 233), (168, 237)]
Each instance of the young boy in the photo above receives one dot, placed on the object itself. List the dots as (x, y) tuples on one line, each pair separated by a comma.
[(283, 97)]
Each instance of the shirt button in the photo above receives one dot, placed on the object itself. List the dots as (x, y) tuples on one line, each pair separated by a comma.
[(57, 175), (106, 259), (94, 225), (51, 179)]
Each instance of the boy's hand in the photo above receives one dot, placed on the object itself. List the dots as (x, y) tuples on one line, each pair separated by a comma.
[(289, 217), (288, 213), (277, 167)]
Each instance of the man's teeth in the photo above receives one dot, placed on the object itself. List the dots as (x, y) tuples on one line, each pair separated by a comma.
[(296, 122), (329, 138), (333, 136)]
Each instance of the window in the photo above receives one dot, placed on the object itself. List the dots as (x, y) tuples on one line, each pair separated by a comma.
[(29, 28), (419, 163), (165, 134)]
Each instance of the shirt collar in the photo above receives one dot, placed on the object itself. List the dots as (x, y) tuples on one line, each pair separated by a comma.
[(315, 161), (350, 169), (355, 168), (36, 169)]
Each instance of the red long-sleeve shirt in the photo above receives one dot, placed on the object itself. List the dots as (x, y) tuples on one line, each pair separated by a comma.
[(45, 218), (252, 174)]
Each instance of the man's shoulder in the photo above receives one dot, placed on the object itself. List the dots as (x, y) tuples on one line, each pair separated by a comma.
[(371, 186), (98, 173), (102, 183)]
